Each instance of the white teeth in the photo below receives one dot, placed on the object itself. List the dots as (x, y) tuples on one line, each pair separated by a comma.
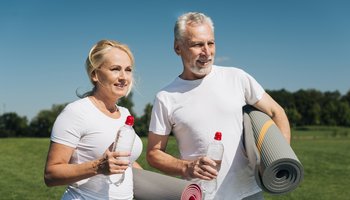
[(121, 86), (205, 61)]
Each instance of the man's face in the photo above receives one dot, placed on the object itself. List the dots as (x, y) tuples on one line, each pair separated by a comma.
[(197, 50)]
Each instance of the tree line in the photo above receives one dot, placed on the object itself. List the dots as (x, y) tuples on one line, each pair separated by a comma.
[(303, 108)]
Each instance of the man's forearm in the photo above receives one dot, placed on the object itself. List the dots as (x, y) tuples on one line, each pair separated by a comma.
[(282, 123), (167, 163)]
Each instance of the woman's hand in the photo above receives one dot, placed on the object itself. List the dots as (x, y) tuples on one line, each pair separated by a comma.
[(113, 162)]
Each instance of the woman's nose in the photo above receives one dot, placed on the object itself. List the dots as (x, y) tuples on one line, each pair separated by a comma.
[(121, 74)]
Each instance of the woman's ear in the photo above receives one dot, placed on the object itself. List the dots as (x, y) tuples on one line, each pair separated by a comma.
[(94, 77)]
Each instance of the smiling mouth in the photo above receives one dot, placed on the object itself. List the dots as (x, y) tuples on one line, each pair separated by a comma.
[(204, 62), (121, 85)]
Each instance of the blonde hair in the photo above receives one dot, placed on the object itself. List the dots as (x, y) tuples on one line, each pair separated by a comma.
[(96, 58)]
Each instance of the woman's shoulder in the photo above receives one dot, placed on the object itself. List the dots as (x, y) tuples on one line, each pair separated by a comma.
[(77, 106), (123, 110)]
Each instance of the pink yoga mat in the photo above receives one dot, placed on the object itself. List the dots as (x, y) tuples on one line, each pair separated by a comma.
[(155, 186)]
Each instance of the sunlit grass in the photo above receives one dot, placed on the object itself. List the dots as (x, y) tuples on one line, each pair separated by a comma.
[(323, 152)]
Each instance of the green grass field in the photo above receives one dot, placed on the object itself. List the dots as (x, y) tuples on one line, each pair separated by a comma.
[(323, 151)]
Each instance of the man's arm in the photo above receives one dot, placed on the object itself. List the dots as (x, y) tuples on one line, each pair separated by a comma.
[(269, 106), (158, 158)]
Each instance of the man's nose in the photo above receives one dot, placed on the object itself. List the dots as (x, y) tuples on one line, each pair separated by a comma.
[(206, 49)]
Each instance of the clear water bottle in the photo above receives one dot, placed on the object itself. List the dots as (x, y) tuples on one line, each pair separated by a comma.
[(215, 152), (125, 137), (124, 142)]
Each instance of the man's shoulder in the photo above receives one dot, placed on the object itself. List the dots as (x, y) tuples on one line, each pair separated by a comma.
[(176, 85), (166, 89), (229, 70)]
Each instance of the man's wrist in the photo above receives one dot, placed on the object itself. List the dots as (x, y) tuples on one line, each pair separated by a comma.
[(186, 169)]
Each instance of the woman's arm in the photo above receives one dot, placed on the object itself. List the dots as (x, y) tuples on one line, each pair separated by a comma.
[(136, 165), (58, 170)]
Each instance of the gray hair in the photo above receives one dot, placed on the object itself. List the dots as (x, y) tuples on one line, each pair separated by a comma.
[(195, 18)]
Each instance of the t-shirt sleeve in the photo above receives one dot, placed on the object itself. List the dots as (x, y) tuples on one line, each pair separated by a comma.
[(67, 128), (253, 91), (160, 123)]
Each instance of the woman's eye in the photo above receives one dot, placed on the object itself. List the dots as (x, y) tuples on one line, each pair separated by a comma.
[(129, 69), (115, 69)]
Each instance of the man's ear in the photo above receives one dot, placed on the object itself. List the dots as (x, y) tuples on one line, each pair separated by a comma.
[(177, 48)]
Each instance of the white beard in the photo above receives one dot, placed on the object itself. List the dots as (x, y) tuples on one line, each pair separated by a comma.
[(201, 71)]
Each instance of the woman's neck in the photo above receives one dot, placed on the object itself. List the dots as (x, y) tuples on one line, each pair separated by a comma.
[(104, 104)]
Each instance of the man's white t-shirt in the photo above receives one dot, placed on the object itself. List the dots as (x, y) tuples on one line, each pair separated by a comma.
[(82, 126), (194, 110)]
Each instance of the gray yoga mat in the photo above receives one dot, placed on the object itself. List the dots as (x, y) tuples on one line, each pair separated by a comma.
[(277, 168), (155, 186)]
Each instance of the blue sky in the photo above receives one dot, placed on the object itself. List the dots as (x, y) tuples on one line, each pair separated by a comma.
[(290, 44)]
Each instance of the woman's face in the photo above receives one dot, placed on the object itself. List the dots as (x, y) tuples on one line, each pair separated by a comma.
[(114, 76)]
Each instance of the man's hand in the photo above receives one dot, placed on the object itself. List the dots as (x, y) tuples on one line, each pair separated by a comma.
[(203, 168)]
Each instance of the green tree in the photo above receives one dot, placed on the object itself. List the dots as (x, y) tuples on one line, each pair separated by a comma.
[(283, 97), (344, 114), (294, 116), (127, 103), (344, 109), (142, 123), (307, 103), (330, 106), (286, 100), (41, 125), (12, 125), (346, 97)]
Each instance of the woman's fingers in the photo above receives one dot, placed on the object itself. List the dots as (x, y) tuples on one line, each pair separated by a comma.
[(116, 162)]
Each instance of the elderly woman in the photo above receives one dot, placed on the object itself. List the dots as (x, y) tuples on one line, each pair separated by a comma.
[(80, 154)]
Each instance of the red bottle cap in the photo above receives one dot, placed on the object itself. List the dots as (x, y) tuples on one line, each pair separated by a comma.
[(129, 120), (218, 136)]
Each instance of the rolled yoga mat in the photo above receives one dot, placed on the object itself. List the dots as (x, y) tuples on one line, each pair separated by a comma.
[(277, 168), (155, 186)]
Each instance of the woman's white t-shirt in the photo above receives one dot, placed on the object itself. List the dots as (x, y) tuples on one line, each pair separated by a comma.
[(82, 126)]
